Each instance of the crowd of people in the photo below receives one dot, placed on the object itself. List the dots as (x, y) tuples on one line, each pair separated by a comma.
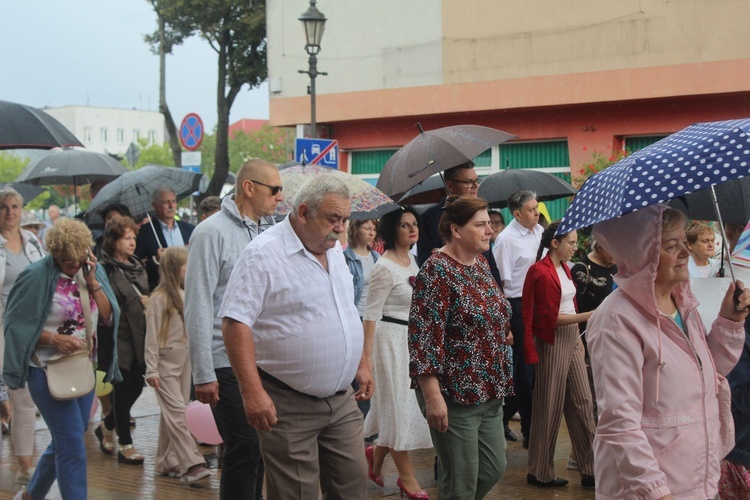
[(324, 346)]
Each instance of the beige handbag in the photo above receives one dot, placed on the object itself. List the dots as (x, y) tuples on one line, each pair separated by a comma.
[(72, 376)]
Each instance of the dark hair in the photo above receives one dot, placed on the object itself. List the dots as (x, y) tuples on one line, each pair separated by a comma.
[(459, 211), (116, 207), (451, 172), (517, 200), (389, 226), (116, 230), (547, 236), (495, 212)]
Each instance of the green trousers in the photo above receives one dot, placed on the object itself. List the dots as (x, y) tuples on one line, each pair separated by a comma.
[(471, 453)]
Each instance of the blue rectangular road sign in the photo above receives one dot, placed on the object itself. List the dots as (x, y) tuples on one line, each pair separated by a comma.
[(323, 152)]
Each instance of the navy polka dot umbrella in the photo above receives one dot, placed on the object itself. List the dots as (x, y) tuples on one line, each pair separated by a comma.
[(697, 157)]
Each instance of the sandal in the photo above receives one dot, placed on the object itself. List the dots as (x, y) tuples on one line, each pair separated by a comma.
[(105, 438), (133, 458)]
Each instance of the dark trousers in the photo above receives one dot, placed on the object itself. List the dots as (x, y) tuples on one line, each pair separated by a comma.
[(242, 470), (124, 395), (523, 375)]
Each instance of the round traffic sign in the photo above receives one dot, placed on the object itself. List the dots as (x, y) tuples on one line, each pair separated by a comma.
[(191, 132)]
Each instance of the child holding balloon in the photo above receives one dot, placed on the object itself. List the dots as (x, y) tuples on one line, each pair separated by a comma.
[(168, 370)]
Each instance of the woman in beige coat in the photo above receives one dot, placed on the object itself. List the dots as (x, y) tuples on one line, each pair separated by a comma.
[(168, 370)]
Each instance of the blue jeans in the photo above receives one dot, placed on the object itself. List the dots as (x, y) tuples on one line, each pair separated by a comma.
[(65, 457)]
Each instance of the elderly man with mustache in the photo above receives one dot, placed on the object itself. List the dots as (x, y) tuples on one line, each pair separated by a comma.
[(295, 342)]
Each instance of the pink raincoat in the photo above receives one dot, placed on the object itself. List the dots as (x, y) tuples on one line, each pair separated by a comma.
[(659, 431)]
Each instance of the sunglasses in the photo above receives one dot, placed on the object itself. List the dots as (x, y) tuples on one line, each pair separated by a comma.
[(274, 189)]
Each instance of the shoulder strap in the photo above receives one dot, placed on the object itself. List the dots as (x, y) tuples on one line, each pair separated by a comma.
[(86, 306)]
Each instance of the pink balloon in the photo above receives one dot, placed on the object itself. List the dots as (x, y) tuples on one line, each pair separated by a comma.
[(94, 407), (201, 424)]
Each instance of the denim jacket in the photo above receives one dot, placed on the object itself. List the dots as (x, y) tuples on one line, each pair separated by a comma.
[(355, 267)]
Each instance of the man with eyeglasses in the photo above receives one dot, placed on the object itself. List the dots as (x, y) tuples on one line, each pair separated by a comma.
[(459, 181), (295, 341), (216, 245), (170, 233)]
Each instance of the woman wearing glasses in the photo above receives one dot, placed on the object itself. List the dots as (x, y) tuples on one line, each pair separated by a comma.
[(44, 320)]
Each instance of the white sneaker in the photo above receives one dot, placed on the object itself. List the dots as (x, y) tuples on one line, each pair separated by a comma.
[(19, 495), (572, 464), (195, 473)]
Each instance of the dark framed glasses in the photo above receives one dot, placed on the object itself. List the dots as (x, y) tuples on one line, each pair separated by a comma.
[(274, 189), (468, 183)]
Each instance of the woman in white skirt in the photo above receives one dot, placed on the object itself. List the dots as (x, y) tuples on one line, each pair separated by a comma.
[(168, 370), (394, 413)]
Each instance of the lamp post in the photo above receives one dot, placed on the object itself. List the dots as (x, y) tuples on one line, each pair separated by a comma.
[(314, 23)]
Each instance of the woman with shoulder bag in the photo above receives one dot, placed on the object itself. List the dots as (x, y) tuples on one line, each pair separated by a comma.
[(50, 319)]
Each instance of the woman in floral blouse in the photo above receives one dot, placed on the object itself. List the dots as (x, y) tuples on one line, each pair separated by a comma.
[(459, 362)]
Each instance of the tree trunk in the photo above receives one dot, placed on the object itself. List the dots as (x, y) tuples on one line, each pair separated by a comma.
[(223, 105), (174, 142)]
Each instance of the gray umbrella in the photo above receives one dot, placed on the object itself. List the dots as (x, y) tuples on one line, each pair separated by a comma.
[(72, 167), (133, 189), (434, 151), (431, 190), (496, 188), (27, 191), (733, 198), (25, 127)]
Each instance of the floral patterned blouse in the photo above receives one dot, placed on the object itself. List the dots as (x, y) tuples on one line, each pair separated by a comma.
[(457, 326)]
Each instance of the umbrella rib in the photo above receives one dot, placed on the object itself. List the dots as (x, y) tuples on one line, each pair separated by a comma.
[(417, 172)]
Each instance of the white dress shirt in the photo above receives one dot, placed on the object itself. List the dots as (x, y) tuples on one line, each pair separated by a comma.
[(514, 251), (305, 326)]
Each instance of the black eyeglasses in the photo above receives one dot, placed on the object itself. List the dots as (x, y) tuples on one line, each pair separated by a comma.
[(274, 189), (468, 183)]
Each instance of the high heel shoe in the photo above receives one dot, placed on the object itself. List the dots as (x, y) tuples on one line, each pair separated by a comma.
[(417, 495), (375, 479), (105, 438)]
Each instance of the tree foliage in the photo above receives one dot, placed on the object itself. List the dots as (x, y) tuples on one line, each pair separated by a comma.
[(269, 143), (236, 30), (154, 154)]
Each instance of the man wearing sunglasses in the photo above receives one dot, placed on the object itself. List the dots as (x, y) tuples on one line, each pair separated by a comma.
[(215, 247), (459, 181)]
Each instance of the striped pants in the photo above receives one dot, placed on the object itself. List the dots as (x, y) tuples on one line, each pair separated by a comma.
[(561, 387)]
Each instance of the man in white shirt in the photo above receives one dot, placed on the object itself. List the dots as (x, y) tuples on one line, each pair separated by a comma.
[(294, 339), (515, 250), (215, 247)]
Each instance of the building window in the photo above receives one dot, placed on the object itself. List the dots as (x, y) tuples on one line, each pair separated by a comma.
[(136, 135), (87, 135), (104, 134), (120, 136), (151, 137)]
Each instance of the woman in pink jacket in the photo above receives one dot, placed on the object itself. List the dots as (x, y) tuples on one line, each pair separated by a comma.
[(658, 376)]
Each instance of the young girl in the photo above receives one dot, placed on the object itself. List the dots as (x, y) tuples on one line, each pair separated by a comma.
[(168, 370), (553, 343)]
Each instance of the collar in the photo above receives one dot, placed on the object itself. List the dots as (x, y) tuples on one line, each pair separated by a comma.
[(165, 226), (292, 242), (523, 231)]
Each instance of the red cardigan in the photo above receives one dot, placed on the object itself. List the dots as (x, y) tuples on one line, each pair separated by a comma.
[(541, 305)]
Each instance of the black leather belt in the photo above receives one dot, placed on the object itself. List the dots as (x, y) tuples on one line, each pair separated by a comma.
[(389, 319), (270, 378)]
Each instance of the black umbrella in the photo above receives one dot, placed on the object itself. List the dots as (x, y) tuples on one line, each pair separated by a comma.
[(25, 127), (434, 151), (27, 191), (430, 191), (733, 198), (71, 167), (496, 188)]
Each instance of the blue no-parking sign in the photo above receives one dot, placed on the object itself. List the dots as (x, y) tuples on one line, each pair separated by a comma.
[(323, 152)]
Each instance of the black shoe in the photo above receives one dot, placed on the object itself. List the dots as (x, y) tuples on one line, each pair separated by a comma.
[(526, 442), (588, 482), (509, 434), (549, 484)]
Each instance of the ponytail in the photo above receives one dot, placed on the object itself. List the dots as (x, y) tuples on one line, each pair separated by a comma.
[(547, 236)]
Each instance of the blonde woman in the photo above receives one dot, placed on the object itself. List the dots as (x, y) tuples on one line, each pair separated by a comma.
[(168, 370)]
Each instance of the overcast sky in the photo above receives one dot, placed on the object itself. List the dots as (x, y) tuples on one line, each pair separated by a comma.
[(91, 52)]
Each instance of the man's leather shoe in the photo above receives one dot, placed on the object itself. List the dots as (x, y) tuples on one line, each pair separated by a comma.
[(588, 482), (509, 434), (530, 479)]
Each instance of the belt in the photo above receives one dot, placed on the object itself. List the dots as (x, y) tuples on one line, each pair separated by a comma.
[(270, 378), (389, 319)]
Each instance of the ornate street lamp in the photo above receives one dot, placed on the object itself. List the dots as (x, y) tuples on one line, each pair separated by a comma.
[(314, 23)]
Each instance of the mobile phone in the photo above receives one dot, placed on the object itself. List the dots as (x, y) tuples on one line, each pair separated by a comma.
[(86, 267)]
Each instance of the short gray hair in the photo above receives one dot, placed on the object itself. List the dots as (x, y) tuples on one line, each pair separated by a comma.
[(517, 200), (10, 192), (156, 194), (314, 190)]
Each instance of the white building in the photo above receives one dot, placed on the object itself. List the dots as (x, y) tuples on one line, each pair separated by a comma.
[(111, 130)]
